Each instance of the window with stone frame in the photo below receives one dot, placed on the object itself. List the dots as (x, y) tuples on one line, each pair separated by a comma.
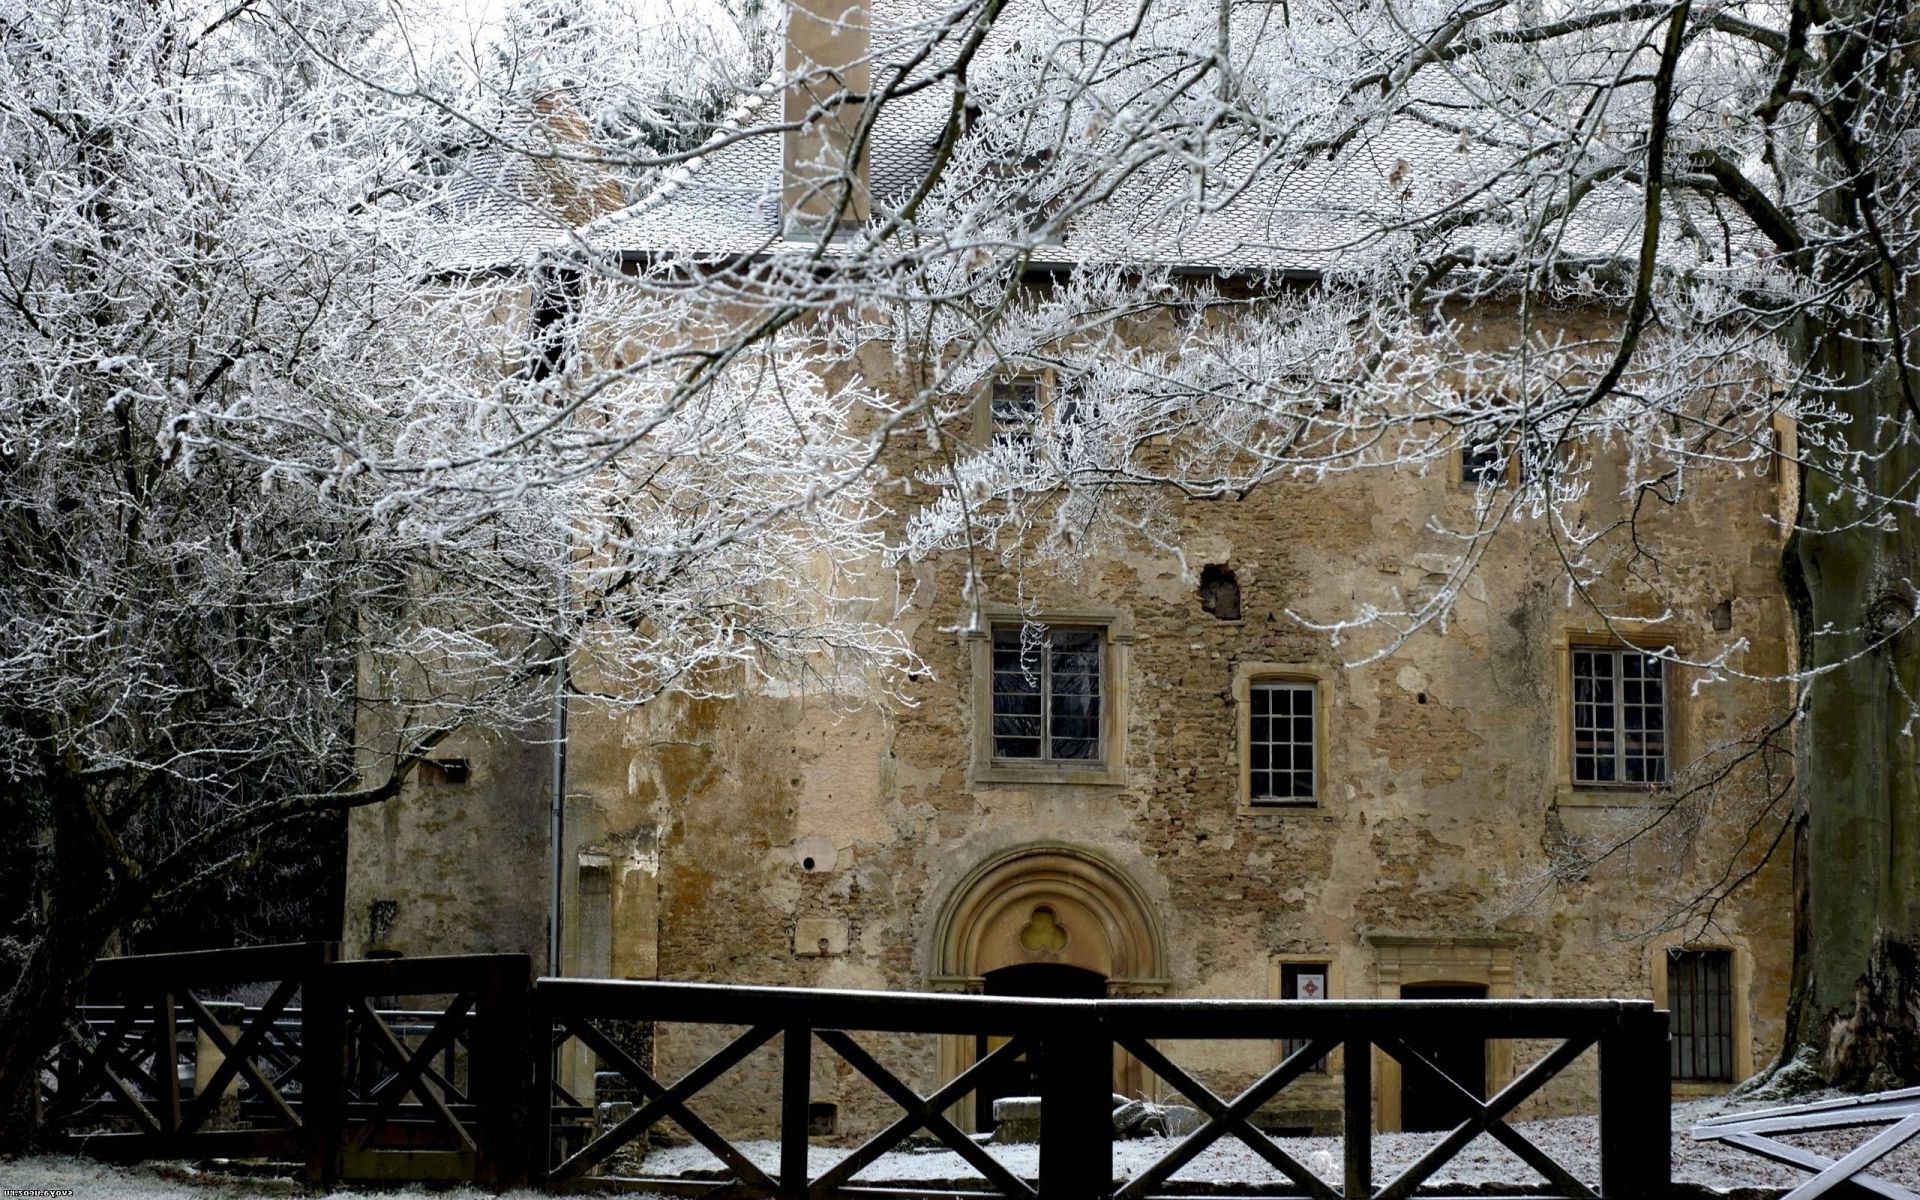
[(1700, 999), (1282, 741), (1619, 719), (1303, 981), (1049, 693)]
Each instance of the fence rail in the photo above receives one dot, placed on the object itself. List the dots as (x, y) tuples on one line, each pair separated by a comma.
[(449, 1068)]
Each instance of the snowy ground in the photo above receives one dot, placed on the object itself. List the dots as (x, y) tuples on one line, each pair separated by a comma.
[(1572, 1142)]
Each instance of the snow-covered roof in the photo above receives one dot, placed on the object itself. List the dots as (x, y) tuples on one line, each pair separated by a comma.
[(1241, 216), (506, 202)]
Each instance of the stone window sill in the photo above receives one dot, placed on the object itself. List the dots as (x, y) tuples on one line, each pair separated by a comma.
[(1568, 796), (1048, 773)]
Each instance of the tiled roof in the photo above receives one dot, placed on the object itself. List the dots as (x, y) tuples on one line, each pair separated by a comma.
[(727, 202)]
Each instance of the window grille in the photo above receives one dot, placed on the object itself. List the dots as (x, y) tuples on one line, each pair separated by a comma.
[(1619, 717), (1281, 742), (1700, 998), (1302, 981), (1048, 693)]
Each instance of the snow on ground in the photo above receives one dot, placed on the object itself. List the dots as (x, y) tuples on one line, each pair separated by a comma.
[(1572, 1141)]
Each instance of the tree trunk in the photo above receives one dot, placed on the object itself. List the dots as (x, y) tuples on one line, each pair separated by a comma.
[(78, 911), (1855, 1012)]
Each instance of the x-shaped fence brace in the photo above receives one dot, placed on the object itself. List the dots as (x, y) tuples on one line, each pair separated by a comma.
[(102, 1062), (1487, 1117), (1232, 1117), (1899, 1110), (669, 1102), (237, 1057), (413, 1070)]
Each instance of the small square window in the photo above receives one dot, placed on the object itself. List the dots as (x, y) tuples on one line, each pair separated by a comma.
[(1482, 462), (1282, 742), (1302, 981), (1049, 692), (1619, 718)]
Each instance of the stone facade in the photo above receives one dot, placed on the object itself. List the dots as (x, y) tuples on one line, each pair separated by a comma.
[(777, 839)]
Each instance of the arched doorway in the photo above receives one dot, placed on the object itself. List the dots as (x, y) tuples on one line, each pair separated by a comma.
[(1045, 920), (1021, 1077)]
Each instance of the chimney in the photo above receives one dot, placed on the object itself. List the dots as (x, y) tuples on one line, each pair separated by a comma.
[(827, 51)]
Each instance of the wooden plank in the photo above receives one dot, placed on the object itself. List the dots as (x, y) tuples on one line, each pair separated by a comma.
[(220, 1143), (1794, 1156), (205, 969), (1076, 1115), (913, 1012), (1356, 1118), (1856, 1160), (166, 1061), (796, 1083), (1635, 1106), (500, 1075), (1869, 1100)]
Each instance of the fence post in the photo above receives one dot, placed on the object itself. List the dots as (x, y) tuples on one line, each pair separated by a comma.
[(500, 1069), (1076, 1107), (1635, 1103), (1356, 1116), (323, 1065), (540, 1127), (796, 1081)]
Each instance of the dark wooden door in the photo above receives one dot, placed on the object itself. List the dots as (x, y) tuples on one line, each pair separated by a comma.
[(1424, 1102), (1020, 1077)]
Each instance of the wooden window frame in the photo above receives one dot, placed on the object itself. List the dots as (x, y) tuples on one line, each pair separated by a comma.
[(1572, 793), (1110, 769), (1245, 676)]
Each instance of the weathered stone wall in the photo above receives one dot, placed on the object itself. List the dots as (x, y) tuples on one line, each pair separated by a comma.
[(775, 840)]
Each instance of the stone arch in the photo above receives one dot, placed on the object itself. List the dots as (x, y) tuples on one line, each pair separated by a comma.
[(1046, 903), (1049, 902)]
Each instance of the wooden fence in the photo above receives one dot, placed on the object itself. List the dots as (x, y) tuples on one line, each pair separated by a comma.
[(446, 1068)]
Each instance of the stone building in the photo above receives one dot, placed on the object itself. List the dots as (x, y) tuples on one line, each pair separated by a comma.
[(1214, 806)]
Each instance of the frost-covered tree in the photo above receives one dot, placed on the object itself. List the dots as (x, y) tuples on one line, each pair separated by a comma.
[(290, 489)]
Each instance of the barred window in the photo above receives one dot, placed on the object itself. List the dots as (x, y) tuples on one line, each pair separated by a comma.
[(1700, 998), (1048, 692), (1302, 981), (1281, 742), (1619, 717)]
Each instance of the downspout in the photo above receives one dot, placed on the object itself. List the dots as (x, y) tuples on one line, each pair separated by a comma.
[(555, 301)]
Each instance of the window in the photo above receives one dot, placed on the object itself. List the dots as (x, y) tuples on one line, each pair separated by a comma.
[(1048, 693), (1282, 742), (1619, 718), (1302, 981), (1700, 998), (1481, 462), (1015, 408)]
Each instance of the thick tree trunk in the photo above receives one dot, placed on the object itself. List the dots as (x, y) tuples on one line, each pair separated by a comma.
[(1855, 1012), (78, 912)]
